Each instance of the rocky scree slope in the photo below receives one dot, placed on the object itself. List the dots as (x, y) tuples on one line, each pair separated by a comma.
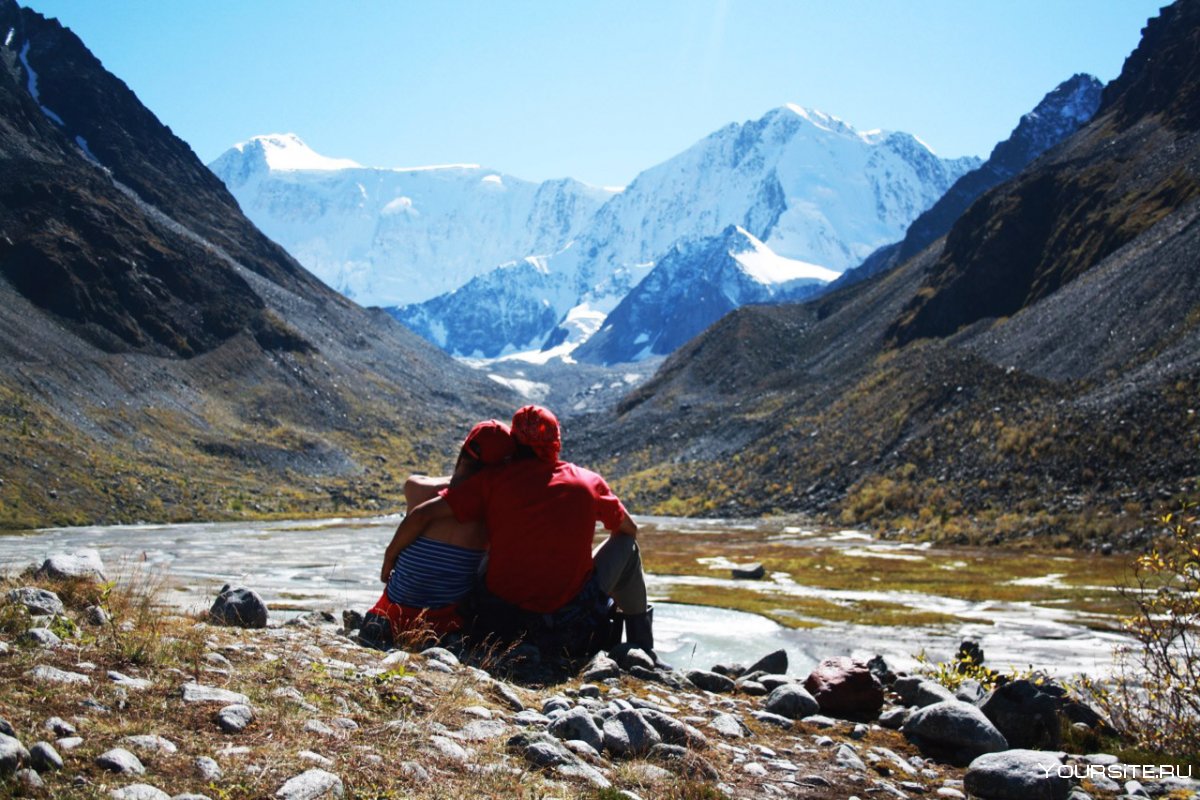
[(1033, 374), (161, 359), (129, 701)]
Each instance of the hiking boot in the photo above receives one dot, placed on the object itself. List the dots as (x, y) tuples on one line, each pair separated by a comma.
[(376, 632), (639, 633)]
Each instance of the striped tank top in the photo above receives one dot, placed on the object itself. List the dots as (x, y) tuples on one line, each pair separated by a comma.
[(432, 574)]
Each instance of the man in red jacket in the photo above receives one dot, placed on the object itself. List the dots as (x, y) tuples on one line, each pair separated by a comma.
[(540, 514)]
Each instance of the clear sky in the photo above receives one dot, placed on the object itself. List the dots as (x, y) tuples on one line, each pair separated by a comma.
[(595, 90)]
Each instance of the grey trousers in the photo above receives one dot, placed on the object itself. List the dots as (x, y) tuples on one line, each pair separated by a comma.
[(618, 567)]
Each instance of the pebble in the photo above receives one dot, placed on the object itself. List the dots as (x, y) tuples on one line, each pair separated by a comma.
[(316, 758), (121, 679), (59, 727), (319, 728), (69, 742), (151, 743), (449, 749)]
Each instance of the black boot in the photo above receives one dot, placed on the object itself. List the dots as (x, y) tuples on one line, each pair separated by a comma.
[(616, 627), (639, 632), (376, 632)]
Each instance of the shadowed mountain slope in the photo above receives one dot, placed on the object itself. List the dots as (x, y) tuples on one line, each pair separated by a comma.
[(159, 357), (1034, 373)]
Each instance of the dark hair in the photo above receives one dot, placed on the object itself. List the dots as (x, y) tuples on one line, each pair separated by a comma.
[(522, 452)]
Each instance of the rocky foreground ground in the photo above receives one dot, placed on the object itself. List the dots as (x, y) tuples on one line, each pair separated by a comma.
[(108, 695)]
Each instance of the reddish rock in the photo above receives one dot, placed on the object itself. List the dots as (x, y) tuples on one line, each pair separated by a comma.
[(845, 686)]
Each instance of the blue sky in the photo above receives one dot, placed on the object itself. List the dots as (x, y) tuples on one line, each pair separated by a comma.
[(592, 90)]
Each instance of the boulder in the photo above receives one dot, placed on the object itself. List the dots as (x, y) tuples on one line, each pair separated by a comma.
[(954, 730), (235, 718), (735, 670), (541, 750), (729, 726), (791, 700), (920, 692), (845, 686), (39, 602), (1027, 716), (121, 761), (775, 663), (882, 670), (1017, 775), (44, 758), (600, 668), (83, 563), (710, 681), (578, 724), (674, 731), (748, 572), (12, 754), (628, 735), (238, 607), (311, 784)]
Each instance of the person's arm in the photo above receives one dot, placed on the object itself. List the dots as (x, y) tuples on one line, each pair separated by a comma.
[(627, 527), (413, 525)]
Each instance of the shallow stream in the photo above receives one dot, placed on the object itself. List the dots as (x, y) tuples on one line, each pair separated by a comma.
[(334, 564)]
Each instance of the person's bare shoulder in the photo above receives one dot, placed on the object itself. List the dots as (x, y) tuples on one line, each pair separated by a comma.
[(419, 488)]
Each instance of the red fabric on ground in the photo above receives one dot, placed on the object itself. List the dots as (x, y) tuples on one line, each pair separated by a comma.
[(409, 620), (541, 518)]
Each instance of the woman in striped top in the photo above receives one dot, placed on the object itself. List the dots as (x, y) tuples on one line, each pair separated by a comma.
[(427, 575)]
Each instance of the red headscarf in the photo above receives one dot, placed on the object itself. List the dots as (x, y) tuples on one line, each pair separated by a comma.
[(537, 428), (489, 442)]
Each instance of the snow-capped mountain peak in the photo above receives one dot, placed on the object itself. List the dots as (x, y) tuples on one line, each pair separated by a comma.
[(768, 267), (287, 151)]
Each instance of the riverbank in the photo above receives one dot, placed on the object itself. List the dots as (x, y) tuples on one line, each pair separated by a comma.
[(113, 696)]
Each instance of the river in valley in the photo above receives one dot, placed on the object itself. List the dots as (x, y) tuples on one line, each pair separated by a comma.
[(333, 564)]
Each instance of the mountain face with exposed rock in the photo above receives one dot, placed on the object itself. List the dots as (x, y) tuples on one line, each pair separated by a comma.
[(159, 356), (692, 287), (1060, 113), (1034, 373)]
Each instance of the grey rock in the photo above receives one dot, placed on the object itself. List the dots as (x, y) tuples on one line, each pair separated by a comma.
[(39, 637), (449, 749), (482, 730), (773, 719), (151, 743), (69, 742), (320, 728), (601, 668), (920, 692), (628, 734), (541, 749), (556, 703), (635, 657), (846, 758), (1135, 789), (959, 729), (792, 701), (311, 784), (578, 724), (530, 717), (585, 772), (29, 781), (729, 726), (235, 718), (819, 721), (710, 681), (315, 758), (139, 791), (95, 616), (44, 758), (12, 754), (505, 694), (6, 727), (207, 769), (59, 727), (748, 572), (46, 674), (772, 682), (39, 602), (683, 761), (893, 718), (83, 563), (1027, 716), (121, 679), (674, 731), (199, 693), (775, 663), (190, 796), (752, 688), (239, 607), (882, 670), (970, 691), (735, 670), (121, 761), (1016, 775)]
